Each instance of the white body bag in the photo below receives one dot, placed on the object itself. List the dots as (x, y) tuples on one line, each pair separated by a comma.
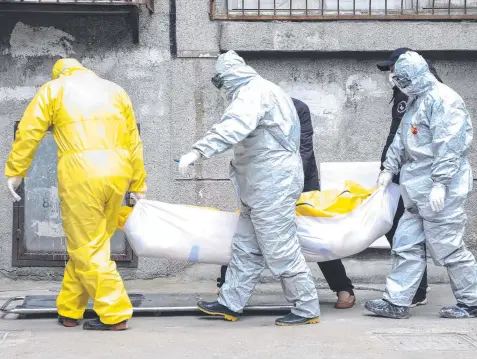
[(180, 232)]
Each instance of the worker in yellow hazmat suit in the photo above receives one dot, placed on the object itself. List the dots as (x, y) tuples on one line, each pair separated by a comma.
[(100, 158)]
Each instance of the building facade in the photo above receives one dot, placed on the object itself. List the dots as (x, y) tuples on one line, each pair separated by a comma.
[(322, 52)]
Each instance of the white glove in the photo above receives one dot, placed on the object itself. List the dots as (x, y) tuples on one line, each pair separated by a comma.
[(136, 196), (13, 183), (385, 178), (437, 196), (186, 161)]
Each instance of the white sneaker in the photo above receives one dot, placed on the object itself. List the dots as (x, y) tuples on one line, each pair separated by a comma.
[(428, 289)]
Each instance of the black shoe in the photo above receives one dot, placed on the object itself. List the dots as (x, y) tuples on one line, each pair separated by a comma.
[(95, 324), (293, 319), (218, 310), (68, 322)]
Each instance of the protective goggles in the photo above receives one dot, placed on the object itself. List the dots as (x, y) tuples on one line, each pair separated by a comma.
[(218, 81), (399, 83)]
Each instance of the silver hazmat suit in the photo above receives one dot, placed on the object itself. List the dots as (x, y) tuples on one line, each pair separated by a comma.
[(430, 148), (262, 125)]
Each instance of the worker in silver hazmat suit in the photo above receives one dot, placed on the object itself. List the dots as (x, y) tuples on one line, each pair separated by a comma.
[(262, 126), (430, 149)]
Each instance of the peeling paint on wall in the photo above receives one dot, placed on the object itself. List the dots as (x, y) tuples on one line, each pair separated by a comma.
[(291, 40), (325, 102), (19, 93), (140, 57), (27, 41), (359, 86)]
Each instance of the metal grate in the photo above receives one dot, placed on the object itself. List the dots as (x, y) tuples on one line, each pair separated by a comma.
[(300, 10)]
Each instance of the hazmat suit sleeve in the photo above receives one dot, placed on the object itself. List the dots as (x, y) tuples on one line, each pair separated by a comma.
[(38, 117), (138, 182), (395, 154), (239, 120), (449, 142)]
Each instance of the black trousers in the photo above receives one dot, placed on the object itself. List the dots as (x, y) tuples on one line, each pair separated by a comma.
[(333, 271), (421, 291)]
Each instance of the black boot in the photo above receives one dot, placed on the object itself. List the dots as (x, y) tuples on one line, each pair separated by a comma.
[(95, 324), (293, 319), (218, 310), (68, 322)]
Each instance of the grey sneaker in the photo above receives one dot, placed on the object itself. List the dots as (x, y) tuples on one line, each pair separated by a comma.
[(458, 312), (385, 309)]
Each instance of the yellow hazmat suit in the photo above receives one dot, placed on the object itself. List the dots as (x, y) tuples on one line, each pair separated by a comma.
[(100, 158)]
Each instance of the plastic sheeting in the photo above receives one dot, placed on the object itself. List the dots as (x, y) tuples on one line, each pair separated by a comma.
[(188, 233)]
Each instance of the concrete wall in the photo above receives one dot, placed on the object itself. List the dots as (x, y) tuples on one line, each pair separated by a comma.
[(175, 102)]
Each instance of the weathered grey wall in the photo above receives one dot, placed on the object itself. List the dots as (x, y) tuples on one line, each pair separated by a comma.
[(175, 102)]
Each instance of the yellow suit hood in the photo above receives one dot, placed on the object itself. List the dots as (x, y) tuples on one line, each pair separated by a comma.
[(66, 67)]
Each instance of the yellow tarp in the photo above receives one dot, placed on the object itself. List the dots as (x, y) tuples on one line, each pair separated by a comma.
[(332, 202), (311, 204)]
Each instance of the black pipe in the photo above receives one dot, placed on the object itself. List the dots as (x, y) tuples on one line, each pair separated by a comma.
[(173, 28)]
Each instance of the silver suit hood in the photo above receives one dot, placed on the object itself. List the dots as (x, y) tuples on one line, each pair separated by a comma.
[(235, 73), (413, 74)]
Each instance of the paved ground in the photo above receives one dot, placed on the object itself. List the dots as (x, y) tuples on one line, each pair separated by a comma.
[(341, 334)]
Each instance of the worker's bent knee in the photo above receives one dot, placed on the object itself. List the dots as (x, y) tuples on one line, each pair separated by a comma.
[(448, 259), (287, 266)]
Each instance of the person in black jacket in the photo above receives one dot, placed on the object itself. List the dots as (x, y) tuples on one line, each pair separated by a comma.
[(400, 100), (333, 271)]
